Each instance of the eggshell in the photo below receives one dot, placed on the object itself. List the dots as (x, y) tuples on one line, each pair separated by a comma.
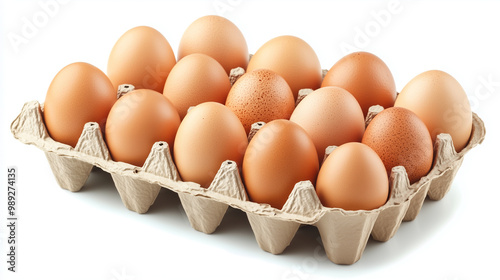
[(217, 37), (208, 135), (141, 57), (366, 77), (400, 138), (138, 120), (440, 101), (353, 177), (280, 155), (260, 95), (331, 116), (78, 94), (293, 59), (195, 79)]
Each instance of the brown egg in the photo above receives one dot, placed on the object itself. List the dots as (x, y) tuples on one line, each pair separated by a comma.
[(331, 116), (366, 77), (78, 94), (208, 135), (400, 138), (195, 79), (141, 57), (293, 59), (441, 103), (353, 177), (138, 120), (280, 155), (217, 37), (260, 95)]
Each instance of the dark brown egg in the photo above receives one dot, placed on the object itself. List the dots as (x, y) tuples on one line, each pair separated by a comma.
[(261, 95), (400, 138)]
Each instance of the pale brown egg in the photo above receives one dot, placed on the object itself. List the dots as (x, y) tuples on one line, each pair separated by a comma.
[(195, 79), (260, 95), (217, 37), (331, 116), (138, 120), (400, 138), (78, 94), (366, 77), (441, 103), (353, 177), (208, 135), (141, 57), (293, 59), (280, 155)]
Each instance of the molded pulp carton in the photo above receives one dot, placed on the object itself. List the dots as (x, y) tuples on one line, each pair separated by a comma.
[(344, 234)]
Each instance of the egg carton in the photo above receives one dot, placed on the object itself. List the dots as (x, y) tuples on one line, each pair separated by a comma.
[(344, 233)]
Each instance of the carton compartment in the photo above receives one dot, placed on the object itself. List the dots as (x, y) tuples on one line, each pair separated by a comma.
[(344, 234)]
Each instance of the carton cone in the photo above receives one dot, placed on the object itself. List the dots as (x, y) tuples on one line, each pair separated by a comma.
[(273, 234), (136, 194), (72, 173), (204, 214), (390, 218), (345, 233)]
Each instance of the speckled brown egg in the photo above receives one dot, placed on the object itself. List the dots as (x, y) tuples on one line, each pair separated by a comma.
[(261, 95), (400, 138)]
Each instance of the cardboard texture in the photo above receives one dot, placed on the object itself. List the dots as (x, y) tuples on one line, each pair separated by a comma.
[(344, 234)]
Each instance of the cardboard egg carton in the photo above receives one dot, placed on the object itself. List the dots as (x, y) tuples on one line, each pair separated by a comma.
[(344, 233)]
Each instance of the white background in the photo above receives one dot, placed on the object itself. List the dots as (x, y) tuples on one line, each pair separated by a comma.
[(91, 235)]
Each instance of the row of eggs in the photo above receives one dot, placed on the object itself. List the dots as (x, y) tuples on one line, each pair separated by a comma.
[(290, 147)]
